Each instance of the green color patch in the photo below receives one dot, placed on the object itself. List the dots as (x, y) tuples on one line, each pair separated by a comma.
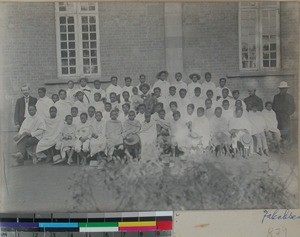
[(98, 224)]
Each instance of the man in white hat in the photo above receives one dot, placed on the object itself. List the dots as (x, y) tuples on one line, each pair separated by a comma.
[(284, 107), (253, 99)]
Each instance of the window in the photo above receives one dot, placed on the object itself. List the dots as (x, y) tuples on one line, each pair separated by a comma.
[(259, 36), (77, 34)]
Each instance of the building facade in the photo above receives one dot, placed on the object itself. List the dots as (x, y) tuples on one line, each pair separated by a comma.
[(46, 44)]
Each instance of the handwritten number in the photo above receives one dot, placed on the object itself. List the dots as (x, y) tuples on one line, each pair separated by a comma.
[(270, 232), (285, 232)]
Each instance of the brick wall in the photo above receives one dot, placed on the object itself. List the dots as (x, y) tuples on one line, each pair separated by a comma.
[(131, 39), (28, 49), (210, 38)]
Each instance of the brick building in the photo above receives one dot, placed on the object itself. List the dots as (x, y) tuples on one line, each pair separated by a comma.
[(244, 42)]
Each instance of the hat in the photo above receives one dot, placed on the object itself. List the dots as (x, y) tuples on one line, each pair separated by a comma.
[(246, 139), (131, 139), (144, 85), (161, 72), (194, 74), (283, 84), (83, 78), (193, 135)]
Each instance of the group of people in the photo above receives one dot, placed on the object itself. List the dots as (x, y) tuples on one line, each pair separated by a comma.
[(130, 122)]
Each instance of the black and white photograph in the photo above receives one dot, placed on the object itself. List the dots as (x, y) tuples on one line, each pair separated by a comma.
[(142, 106)]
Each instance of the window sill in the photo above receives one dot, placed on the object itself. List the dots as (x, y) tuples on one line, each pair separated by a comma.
[(259, 74), (65, 81)]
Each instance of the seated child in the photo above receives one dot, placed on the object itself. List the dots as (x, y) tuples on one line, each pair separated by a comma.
[(227, 112), (195, 78), (71, 92), (272, 123), (171, 97), (106, 112), (114, 139), (220, 136), (222, 85), (148, 136), (141, 114), (83, 136), (179, 134), (197, 99), (80, 104), (131, 128), (125, 98), (98, 103), (113, 99), (136, 99), (159, 98), (76, 118), (209, 110), (128, 87), (123, 115), (179, 83), (97, 89), (55, 98), (114, 87), (54, 125), (149, 100), (172, 109), (91, 114), (67, 140), (258, 128), (182, 101), (159, 106), (201, 126), (98, 139), (163, 132), (189, 115)]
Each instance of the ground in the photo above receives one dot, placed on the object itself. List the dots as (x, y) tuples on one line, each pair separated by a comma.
[(201, 182)]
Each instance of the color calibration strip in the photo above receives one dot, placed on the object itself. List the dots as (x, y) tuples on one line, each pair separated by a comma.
[(89, 222)]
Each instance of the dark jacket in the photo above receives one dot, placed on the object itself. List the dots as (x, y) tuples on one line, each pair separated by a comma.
[(20, 109)]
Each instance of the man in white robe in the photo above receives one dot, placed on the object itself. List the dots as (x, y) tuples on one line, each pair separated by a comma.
[(44, 103)]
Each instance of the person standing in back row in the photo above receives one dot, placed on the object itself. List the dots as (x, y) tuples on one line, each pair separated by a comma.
[(22, 104), (284, 107)]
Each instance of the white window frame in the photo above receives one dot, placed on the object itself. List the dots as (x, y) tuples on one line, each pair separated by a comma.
[(258, 7), (78, 40)]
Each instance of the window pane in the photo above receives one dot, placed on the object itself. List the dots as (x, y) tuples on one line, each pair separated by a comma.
[(64, 62), (70, 19), (266, 63), (86, 53), (265, 56), (94, 69), (62, 20), (63, 45), (273, 55), (72, 70), (93, 36), (72, 45), (245, 56), (273, 63), (272, 46), (93, 28), (94, 61), (70, 28), (84, 19), (86, 61), (85, 45), (85, 36), (245, 64), (72, 62), (86, 70), (63, 28), (72, 53), (71, 36), (85, 28), (64, 70), (93, 53), (92, 19), (64, 53), (93, 44), (63, 37)]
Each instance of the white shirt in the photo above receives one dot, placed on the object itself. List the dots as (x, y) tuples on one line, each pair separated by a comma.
[(112, 88), (208, 86), (179, 85), (164, 86), (128, 89), (191, 88), (26, 106)]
